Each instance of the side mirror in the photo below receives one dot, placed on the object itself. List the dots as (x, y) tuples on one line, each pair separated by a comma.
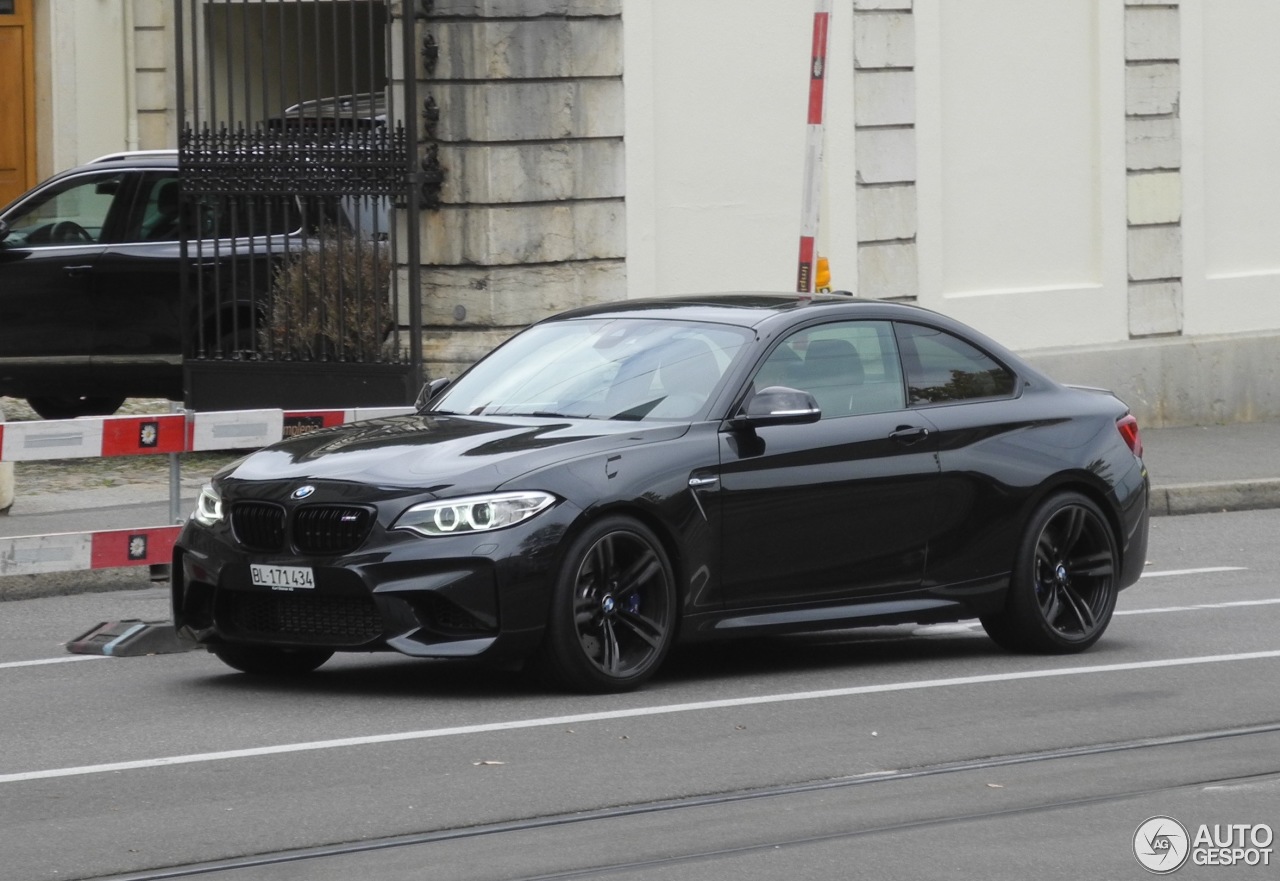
[(429, 391), (778, 405), (4, 230)]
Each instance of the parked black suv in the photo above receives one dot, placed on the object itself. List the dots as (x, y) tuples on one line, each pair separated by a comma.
[(91, 310)]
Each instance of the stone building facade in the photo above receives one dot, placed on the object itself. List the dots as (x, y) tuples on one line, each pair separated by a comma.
[(1091, 182)]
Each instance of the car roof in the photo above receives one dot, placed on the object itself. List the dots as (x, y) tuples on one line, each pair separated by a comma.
[(758, 310), (746, 308), (148, 158)]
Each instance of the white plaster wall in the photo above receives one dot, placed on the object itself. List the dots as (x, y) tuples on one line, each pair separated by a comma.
[(86, 114), (1019, 109), (1022, 168), (716, 102), (1231, 77)]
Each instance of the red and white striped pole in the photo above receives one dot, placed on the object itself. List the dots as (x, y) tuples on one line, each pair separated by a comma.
[(813, 148)]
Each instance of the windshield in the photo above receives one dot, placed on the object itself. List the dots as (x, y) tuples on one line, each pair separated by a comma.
[(600, 368)]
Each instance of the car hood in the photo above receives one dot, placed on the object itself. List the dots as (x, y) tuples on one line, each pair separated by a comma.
[(442, 454)]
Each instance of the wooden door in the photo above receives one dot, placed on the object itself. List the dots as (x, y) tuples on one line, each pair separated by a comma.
[(17, 100)]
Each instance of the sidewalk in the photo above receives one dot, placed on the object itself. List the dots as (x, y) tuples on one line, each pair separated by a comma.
[(1213, 468)]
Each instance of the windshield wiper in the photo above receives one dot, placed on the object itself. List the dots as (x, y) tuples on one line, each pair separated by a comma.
[(639, 411)]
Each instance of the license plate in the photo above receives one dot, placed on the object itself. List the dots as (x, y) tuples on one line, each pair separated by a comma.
[(283, 577)]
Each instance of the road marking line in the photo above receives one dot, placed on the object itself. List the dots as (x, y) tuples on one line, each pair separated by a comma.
[(664, 710), (1205, 571), (1198, 607), (67, 660)]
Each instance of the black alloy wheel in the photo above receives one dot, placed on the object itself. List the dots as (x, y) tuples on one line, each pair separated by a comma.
[(1063, 589), (261, 660), (614, 610), (74, 406)]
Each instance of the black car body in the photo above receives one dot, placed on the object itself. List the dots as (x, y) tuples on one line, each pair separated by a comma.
[(91, 278), (620, 477)]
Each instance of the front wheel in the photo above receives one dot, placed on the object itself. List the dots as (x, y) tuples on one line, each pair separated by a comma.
[(1063, 588), (613, 610), (271, 661)]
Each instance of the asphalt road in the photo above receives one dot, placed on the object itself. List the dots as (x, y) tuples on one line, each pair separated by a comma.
[(887, 753)]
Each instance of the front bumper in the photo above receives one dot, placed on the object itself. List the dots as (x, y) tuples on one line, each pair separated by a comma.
[(481, 595)]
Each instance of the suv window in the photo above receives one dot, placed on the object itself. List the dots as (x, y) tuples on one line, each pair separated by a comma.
[(941, 367), (849, 367), (75, 211), (233, 217), (160, 209)]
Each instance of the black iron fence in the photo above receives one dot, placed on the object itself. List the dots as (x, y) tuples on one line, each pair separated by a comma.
[(299, 216)]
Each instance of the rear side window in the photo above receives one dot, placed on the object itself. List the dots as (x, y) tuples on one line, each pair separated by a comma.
[(161, 209), (942, 367), (233, 217)]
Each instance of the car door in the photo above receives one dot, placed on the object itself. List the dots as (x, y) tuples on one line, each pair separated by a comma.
[(48, 264), (838, 509), (138, 296)]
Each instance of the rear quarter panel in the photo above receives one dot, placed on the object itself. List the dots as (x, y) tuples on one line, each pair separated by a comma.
[(1000, 459)]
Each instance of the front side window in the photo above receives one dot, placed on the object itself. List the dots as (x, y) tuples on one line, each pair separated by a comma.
[(71, 212), (850, 367), (942, 367)]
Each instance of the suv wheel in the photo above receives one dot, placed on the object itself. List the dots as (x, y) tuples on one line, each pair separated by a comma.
[(71, 406)]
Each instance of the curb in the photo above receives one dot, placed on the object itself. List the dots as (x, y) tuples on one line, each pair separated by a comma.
[(1215, 497)]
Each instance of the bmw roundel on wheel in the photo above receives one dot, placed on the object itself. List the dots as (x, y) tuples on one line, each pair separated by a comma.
[(620, 478)]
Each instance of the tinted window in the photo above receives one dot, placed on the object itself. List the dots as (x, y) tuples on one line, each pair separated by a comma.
[(232, 217), (942, 367), (160, 209), (849, 367)]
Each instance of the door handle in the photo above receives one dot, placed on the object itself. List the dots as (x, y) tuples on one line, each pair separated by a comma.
[(909, 434), (76, 271)]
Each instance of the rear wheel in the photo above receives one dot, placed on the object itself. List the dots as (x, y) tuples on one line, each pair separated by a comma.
[(73, 406), (271, 661), (613, 612), (1063, 588)]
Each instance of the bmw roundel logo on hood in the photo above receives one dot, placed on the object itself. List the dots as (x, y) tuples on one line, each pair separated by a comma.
[(302, 492)]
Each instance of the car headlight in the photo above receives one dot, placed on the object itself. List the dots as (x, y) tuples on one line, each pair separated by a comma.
[(208, 506), (474, 513)]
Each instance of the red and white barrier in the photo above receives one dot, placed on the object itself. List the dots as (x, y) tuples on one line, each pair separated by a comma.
[(811, 197), (188, 432), (81, 551), (140, 435)]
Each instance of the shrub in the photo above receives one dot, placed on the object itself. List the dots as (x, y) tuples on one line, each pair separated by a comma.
[(330, 301)]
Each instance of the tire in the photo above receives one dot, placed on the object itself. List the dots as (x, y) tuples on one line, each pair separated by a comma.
[(613, 610), (73, 406), (1063, 588), (261, 660)]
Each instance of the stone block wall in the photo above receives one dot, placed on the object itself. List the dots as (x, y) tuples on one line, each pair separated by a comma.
[(529, 133), (885, 148), (1153, 157), (153, 66)]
